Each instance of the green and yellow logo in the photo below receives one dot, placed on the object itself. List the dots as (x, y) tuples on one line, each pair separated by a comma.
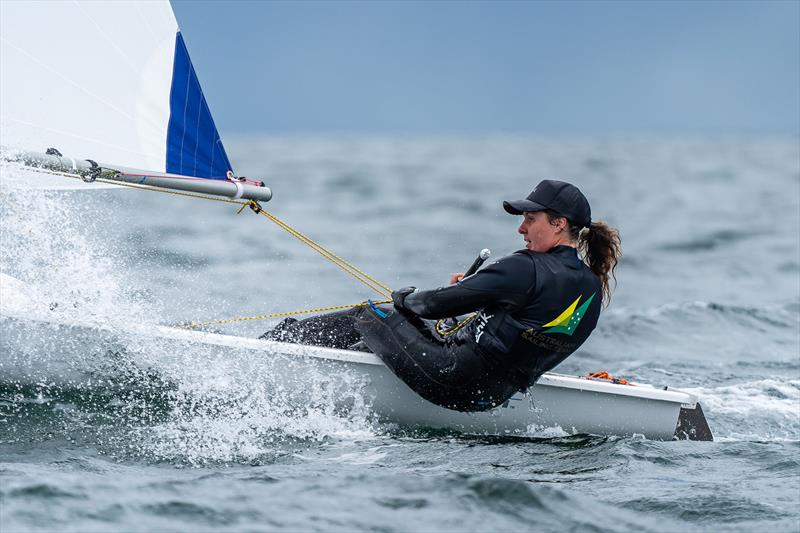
[(569, 319)]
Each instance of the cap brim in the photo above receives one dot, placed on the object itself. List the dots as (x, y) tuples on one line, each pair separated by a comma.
[(518, 207)]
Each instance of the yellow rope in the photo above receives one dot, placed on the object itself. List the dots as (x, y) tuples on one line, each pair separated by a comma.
[(277, 315), (354, 271), (446, 332), (364, 278), (351, 269), (357, 273)]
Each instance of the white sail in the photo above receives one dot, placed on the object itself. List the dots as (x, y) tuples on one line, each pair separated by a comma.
[(107, 81)]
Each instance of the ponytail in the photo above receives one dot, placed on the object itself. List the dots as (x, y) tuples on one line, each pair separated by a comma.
[(601, 248)]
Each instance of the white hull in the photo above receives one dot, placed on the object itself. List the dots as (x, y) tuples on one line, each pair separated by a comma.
[(34, 350), (574, 404), (565, 403)]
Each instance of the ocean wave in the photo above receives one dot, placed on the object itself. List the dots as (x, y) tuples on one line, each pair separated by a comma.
[(700, 316), (759, 410), (42, 491), (780, 315), (546, 505), (708, 242), (708, 509), (148, 418), (746, 398)]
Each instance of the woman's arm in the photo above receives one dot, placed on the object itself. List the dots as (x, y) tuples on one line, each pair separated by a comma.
[(505, 282)]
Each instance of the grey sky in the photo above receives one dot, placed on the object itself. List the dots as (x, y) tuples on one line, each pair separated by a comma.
[(475, 68)]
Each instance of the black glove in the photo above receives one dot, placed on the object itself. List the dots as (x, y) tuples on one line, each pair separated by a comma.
[(399, 297)]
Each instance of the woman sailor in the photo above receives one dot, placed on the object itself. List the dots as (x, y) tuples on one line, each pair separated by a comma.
[(532, 309)]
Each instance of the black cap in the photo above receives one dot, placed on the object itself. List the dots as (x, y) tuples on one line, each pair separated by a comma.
[(559, 196)]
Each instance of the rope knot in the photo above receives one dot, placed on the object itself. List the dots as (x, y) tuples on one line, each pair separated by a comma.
[(252, 204)]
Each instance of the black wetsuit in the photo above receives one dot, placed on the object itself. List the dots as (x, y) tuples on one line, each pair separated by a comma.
[(534, 310)]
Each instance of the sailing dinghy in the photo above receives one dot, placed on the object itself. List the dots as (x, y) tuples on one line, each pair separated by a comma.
[(78, 101)]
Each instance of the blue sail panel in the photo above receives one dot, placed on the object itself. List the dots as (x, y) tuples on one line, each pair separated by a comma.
[(194, 147)]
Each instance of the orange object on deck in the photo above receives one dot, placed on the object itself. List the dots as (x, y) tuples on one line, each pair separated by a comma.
[(604, 375)]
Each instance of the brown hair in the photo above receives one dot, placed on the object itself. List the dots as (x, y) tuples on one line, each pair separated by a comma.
[(600, 246)]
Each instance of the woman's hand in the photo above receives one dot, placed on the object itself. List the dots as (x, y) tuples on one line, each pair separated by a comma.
[(456, 277), (399, 296)]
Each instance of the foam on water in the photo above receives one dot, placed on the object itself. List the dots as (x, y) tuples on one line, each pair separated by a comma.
[(546, 432), (761, 410), (53, 242), (180, 402), (242, 407)]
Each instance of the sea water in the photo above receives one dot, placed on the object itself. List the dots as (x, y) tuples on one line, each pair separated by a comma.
[(100, 434)]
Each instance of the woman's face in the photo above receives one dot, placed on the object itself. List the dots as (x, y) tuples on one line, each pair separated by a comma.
[(539, 234)]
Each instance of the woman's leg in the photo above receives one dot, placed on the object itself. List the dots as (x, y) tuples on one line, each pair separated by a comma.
[(332, 330), (456, 377)]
